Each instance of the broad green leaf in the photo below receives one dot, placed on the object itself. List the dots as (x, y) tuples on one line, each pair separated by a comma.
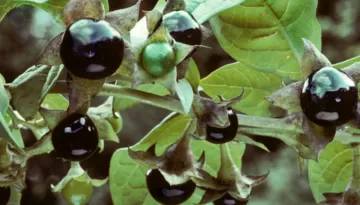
[(268, 33), (332, 172), (192, 74), (55, 102), (203, 10), (232, 79), (185, 94), (37, 80), (128, 183), (54, 7), (165, 133)]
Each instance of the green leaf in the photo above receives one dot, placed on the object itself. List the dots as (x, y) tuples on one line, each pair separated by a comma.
[(128, 183), (55, 102), (54, 7), (185, 94), (37, 80), (192, 74), (333, 170), (203, 10), (4, 98), (12, 135), (212, 151), (268, 33), (104, 128), (167, 132), (123, 103), (230, 80)]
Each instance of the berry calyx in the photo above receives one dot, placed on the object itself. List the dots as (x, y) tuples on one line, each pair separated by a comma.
[(227, 199), (77, 192), (91, 49), (75, 138), (183, 27), (165, 193), (222, 135), (329, 97), (158, 58)]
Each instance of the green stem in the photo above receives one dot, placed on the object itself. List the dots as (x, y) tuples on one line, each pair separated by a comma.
[(15, 194), (267, 122), (347, 63), (166, 102), (355, 183)]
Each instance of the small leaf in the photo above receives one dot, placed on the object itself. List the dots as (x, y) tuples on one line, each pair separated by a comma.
[(248, 140), (11, 135), (167, 132), (268, 34), (333, 170), (4, 97), (52, 117), (313, 59), (104, 128), (55, 102), (287, 98), (203, 10), (182, 51), (124, 20), (37, 80), (231, 80), (185, 94), (192, 74)]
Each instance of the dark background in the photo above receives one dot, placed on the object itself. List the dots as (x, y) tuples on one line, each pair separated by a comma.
[(25, 31)]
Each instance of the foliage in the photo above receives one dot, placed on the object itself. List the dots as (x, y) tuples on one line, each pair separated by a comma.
[(276, 44)]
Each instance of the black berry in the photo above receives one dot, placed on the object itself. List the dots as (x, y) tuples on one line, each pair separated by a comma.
[(75, 138), (166, 194), (183, 27), (91, 49), (227, 199), (4, 195), (329, 97), (222, 135)]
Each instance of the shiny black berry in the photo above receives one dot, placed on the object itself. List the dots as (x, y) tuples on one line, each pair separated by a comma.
[(75, 138), (222, 135), (183, 27), (91, 49), (166, 194), (329, 97), (227, 199)]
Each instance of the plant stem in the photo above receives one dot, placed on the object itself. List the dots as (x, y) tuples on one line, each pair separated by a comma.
[(347, 62), (15, 194), (166, 102), (270, 123), (355, 183)]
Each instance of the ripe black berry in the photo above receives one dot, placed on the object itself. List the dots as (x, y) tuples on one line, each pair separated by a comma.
[(227, 199), (222, 135), (329, 97), (166, 194), (75, 138), (91, 49), (183, 27)]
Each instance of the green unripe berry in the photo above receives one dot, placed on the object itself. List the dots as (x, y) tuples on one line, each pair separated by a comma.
[(158, 58), (77, 192)]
